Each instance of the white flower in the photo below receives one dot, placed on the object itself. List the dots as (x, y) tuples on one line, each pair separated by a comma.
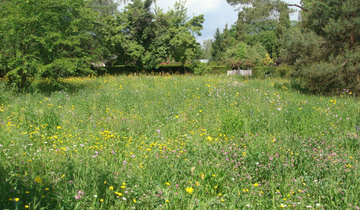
[(95, 196), (124, 198)]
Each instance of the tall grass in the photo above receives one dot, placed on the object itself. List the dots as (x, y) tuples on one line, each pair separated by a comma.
[(178, 142)]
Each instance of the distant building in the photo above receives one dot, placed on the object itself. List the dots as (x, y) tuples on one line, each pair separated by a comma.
[(204, 60)]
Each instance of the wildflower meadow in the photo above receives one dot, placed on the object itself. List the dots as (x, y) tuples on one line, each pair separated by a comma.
[(178, 142)]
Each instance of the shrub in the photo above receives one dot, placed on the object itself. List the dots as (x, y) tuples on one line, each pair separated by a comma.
[(219, 69), (283, 70), (262, 71), (201, 68)]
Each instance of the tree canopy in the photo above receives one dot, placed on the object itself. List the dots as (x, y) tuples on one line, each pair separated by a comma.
[(60, 38)]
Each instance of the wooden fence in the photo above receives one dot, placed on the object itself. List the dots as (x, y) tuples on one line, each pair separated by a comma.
[(240, 72)]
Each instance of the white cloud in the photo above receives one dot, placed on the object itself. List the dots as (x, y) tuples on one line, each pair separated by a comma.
[(202, 6)]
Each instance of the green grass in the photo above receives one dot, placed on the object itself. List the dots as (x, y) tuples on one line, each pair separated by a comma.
[(178, 142)]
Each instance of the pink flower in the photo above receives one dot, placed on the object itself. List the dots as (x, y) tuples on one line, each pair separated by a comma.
[(77, 196)]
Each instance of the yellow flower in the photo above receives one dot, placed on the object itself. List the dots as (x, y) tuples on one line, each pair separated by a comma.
[(59, 127), (16, 199), (26, 206), (167, 183), (63, 176), (124, 183), (256, 184), (134, 200), (119, 194), (123, 187), (216, 187), (202, 176), (27, 192), (213, 175), (167, 201), (38, 180), (189, 190), (111, 188), (101, 200), (46, 189), (104, 182)]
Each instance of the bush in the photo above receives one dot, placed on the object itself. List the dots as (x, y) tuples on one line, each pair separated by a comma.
[(260, 72), (201, 68), (219, 69), (283, 70)]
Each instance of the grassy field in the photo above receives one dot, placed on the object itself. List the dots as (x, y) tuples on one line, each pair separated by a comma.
[(178, 142)]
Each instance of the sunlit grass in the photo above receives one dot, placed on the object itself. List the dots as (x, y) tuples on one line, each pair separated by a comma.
[(178, 142)]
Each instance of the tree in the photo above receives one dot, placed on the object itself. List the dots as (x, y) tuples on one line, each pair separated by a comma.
[(262, 21), (217, 46), (45, 39), (143, 39), (206, 48), (326, 49)]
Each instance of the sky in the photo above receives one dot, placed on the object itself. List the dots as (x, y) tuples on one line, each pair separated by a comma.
[(217, 14)]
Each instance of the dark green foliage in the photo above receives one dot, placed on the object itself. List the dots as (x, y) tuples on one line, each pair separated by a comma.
[(283, 70), (162, 69), (142, 39), (219, 69), (325, 51), (261, 72), (342, 72), (45, 39), (201, 68), (217, 46)]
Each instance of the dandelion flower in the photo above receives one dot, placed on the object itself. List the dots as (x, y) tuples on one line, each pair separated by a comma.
[(189, 190), (111, 188), (256, 184), (38, 180), (16, 199)]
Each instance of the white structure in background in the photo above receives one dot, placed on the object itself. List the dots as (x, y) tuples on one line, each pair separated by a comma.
[(204, 60), (240, 72)]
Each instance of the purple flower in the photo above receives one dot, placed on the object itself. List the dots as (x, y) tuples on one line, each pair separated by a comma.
[(1, 145), (158, 131), (124, 162), (133, 156), (96, 152), (112, 151), (82, 145), (357, 127)]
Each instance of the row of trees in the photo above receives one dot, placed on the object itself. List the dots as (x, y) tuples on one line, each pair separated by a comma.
[(254, 37), (323, 46), (59, 38)]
